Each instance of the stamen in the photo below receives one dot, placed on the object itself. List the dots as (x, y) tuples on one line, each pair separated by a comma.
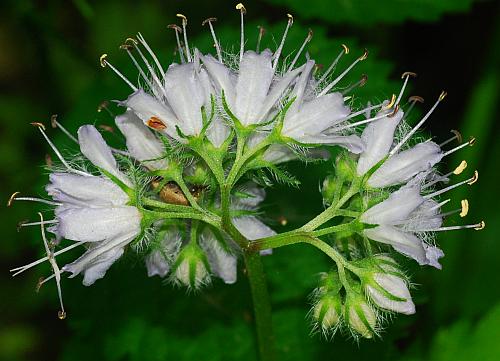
[(153, 55), (184, 24), (456, 135), (307, 40), (391, 102), (262, 31), (56, 124), (27, 224), (128, 47), (360, 83), (32, 199), (178, 30), (41, 127), (21, 269), (362, 111), (413, 100), (277, 54), (465, 207), (478, 226), (48, 160), (471, 142), (458, 170), (469, 181), (151, 71), (345, 50), (55, 267), (333, 83), (12, 198), (461, 167), (105, 63), (243, 11), (104, 105), (439, 205), (216, 42), (405, 76), (369, 120), (410, 134)]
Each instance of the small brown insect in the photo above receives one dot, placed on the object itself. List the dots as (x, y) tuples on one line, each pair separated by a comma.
[(156, 123), (171, 193)]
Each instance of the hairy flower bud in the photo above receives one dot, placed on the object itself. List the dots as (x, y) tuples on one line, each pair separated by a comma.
[(327, 311), (191, 267), (360, 316), (390, 292)]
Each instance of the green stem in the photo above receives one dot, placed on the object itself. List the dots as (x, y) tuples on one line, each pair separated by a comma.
[(261, 305)]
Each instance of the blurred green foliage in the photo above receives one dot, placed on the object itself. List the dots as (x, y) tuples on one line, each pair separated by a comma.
[(48, 64)]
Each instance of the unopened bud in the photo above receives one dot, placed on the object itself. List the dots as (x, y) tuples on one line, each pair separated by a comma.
[(327, 311), (191, 267), (360, 316), (328, 189)]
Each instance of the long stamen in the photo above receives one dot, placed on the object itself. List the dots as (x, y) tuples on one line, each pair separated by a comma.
[(243, 11), (469, 181), (333, 83), (178, 30), (463, 210), (345, 50), (439, 205), (360, 83), (56, 124), (104, 63), (184, 25), (151, 70), (471, 142), (456, 135), (21, 269), (478, 226), (277, 54), (413, 100), (307, 40), (41, 128), (410, 134), (355, 124), (153, 55), (262, 31), (55, 268), (214, 37), (14, 197), (458, 170), (405, 76), (27, 224), (128, 46)]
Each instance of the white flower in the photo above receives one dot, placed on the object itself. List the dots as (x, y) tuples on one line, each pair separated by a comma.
[(159, 260), (223, 263), (395, 287), (401, 219)]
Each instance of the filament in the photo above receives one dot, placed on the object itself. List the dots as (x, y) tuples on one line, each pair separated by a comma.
[(307, 40), (105, 63), (277, 54)]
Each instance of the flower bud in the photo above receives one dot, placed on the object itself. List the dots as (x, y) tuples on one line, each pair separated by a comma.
[(327, 311), (360, 316), (191, 267), (329, 188), (390, 292), (345, 167)]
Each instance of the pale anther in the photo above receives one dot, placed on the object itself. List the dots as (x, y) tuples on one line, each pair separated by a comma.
[(465, 207), (416, 98), (461, 167), (474, 178), (12, 198), (241, 8), (480, 226), (408, 74), (346, 49), (38, 124), (102, 60), (391, 103)]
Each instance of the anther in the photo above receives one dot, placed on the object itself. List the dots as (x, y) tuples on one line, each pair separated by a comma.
[(176, 27), (53, 120), (212, 31), (209, 20), (395, 111), (39, 284), (184, 18), (186, 44), (360, 83), (474, 178), (39, 125), (21, 224), (262, 31), (131, 42), (102, 60), (465, 207), (107, 128), (461, 167), (127, 47), (346, 49), (104, 63), (442, 96), (241, 8), (290, 17), (12, 198), (416, 98), (457, 134), (61, 314), (156, 123), (364, 56), (480, 226), (391, 103), (243, 11), (408, 74), (472, 141)]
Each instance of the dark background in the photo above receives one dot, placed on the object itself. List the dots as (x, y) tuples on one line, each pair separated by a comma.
[(49, 54)]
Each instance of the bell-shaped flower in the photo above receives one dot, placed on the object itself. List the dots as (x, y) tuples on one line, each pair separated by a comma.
[(389, 292)]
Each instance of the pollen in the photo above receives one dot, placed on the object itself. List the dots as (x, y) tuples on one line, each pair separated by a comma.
[(465, 207), (241, 8), (184, 18), (461, 167), (156, 123), (474, 178), (391, 103), (442, 96), (472, 141)]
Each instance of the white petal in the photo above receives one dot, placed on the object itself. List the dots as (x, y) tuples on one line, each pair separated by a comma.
[(222, 76), (426, 216), (147, 107), (433, 255), (97, 259), (279, 154), (255, 77), (351, 142), (254, 196), (85, 191), (315, 116), (98, 224), (186, 96), (405, 165), (159, 260), (142, 144), (378, 137), (251, 228), (403, 242), (95, 149), (395, 209), (218, 132), (222, 263), (396, 287), (300, 89)]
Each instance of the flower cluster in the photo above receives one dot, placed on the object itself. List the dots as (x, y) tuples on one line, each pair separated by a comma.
[(205, 136)]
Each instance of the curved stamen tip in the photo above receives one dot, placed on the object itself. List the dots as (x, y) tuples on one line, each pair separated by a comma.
[(408, 74), (442, 96), (12, 198), (472, 141), (457, 134), (460, 168), (364, 56), (310, 34), (102, 60), (106, 128), (175, 27), (39, 284), (480, 226), (364, 79), (209, 20), (396, 109), (262, 30), (290, 18), (416, 98), (391, 103), (39, 125), (53, 120), (241, 8), (465, 207), (184, 19), (61, 314), (126, 47), (131, 41), (21, 224), (474, 178), (346, 49), (102, 106)]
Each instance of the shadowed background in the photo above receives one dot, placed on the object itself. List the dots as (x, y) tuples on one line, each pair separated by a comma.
[(49, 54)]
